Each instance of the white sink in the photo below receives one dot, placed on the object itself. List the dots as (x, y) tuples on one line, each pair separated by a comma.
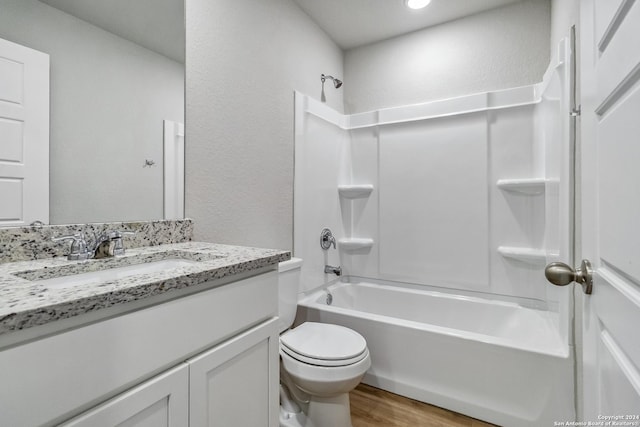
[(111, 274)]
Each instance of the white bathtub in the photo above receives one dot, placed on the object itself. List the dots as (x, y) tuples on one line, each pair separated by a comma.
[(493, 360)]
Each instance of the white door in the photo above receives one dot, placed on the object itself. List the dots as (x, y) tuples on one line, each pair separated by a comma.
[(237, 382), (24, 135), (162, 401), (610, 180)]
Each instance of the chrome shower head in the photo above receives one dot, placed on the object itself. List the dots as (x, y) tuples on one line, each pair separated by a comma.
[(336, 82)]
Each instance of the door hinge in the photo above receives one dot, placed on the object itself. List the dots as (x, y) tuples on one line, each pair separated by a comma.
[(575, 112)]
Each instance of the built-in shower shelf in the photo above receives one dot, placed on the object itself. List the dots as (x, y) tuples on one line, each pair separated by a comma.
[(355, 191), (525, 185), (536, 256), (355, 243)]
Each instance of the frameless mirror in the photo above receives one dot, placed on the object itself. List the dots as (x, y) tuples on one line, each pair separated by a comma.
[(116, 104)]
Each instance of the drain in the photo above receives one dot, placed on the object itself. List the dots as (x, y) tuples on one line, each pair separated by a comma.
[(329, 298)]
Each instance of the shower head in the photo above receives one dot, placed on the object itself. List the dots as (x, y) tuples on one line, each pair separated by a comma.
[(336, 82)]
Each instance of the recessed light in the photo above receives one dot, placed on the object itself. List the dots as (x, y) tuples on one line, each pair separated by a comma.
[(416, 4)]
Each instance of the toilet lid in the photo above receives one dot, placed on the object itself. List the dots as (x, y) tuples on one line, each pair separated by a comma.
[(324, 341)]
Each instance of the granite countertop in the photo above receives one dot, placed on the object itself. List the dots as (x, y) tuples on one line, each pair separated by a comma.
[(26, 301)]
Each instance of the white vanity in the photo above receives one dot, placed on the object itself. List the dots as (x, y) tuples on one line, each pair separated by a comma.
[(188, 346)]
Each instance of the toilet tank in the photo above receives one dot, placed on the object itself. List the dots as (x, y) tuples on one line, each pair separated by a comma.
[(288, 286)]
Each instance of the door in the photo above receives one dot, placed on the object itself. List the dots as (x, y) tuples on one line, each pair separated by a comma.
[(236, 383), (159, 402), (24, 135), (610, 200)]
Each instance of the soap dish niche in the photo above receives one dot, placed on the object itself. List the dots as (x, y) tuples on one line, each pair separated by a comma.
[(355, 244), (353, 191)]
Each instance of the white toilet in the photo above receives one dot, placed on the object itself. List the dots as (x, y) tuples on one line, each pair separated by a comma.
[(320, 363)]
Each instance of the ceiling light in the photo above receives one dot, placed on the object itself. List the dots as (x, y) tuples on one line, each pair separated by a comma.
[(417, 4)]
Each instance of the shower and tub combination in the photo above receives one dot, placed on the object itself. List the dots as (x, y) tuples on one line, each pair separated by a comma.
[(445, 214)]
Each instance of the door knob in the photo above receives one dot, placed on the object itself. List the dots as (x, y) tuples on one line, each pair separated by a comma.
[(560, 274)]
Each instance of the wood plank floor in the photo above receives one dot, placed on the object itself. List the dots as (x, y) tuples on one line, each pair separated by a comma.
[(372, 407)]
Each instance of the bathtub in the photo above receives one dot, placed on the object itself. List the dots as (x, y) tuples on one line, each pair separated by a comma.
[(497, 361)]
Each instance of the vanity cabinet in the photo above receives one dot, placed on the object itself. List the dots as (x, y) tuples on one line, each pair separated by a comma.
[(197, 360), (236, 383), (160, 402), (211, 389)]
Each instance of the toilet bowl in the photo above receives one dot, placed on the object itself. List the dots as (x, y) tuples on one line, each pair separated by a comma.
[(320, 363)]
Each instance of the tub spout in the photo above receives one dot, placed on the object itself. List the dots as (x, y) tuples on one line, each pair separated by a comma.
[(329, 269)]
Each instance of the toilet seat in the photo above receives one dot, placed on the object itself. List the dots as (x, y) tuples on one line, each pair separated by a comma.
[(323, 362), (322, 344)]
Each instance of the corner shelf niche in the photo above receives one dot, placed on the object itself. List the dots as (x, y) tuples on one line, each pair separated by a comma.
[(355, 243), (355, 191), (529, 186), (530, 255)]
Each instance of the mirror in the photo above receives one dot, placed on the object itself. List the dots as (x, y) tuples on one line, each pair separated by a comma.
[(116, 95)]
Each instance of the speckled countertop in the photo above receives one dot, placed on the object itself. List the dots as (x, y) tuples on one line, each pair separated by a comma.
[(26, 300)]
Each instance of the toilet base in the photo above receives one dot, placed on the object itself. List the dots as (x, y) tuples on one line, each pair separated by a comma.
[(330, 411), (322, 412), (318, 411)]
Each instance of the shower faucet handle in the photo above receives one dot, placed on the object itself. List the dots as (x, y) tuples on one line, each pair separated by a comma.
[(327, 239)]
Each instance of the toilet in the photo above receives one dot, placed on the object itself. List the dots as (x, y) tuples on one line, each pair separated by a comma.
[(319, 363)]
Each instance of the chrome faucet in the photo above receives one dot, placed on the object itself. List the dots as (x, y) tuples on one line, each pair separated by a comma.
[(329, 269), (107, 244)]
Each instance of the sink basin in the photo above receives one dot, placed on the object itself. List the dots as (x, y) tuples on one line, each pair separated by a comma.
[(111, 274)]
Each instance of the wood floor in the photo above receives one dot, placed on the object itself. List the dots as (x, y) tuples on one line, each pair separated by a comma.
[(372, 407)]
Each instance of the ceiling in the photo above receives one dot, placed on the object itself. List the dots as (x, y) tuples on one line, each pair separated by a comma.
[(352, 23), (157, 25)]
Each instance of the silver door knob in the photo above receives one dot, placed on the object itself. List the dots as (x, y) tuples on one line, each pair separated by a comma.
[(560, 274)]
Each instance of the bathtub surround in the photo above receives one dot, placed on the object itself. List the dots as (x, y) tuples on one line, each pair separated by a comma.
[(564, 14), (245, 59), (109, 97), (31, 243), (498, 49), (455, 210), (466, 198)]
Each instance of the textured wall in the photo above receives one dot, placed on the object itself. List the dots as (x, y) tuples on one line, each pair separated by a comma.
[(108, 99), (244, 60), (502, 48)]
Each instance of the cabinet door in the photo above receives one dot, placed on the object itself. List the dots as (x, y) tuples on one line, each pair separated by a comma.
[(161, 401), (236, 383)]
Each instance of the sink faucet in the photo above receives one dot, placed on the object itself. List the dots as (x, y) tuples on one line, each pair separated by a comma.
[(329, 269), (107, 244)]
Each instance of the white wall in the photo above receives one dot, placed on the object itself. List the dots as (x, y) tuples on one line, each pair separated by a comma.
[(244, 60), (498, 49), (108, 99)]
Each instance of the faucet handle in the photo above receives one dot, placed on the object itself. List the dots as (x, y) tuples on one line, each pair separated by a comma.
[(79, 249), (116, 237), (327, 239)]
